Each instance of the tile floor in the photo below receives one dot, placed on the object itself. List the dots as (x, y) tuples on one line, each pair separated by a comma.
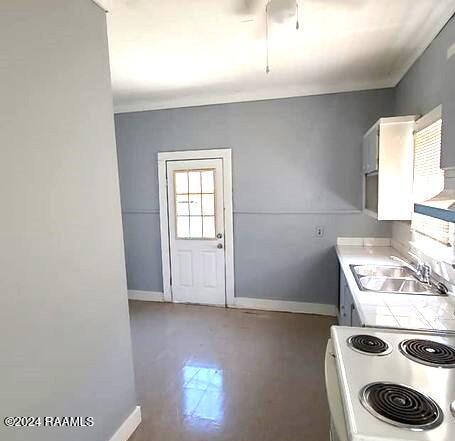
[(207, 373)]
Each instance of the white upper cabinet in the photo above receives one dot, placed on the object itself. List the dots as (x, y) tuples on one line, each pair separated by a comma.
[(388, 157), (448, 112), (371, 150)]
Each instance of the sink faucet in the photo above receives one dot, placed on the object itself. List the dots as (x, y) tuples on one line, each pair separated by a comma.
[(422, 270)]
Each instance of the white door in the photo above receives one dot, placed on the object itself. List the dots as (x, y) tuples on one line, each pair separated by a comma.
[(196, 231)]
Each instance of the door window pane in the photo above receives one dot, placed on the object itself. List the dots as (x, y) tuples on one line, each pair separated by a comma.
[(195, 204), (194, 182), (181, 182), (207, 181), (209, 227), (208, 204), (182, 208), (196, 226), (183, 226)]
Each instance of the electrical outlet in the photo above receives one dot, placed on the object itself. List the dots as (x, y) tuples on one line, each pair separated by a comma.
[(319, 232)]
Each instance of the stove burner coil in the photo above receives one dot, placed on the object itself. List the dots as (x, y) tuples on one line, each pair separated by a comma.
[(369, 344), (401, 406), (428, 352)]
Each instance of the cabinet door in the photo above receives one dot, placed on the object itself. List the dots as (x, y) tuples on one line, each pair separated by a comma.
[(344, 315), (375, 150), (355, 318), (448, 112), (365, 155), (371, 151), (349, 305), (342, 301)]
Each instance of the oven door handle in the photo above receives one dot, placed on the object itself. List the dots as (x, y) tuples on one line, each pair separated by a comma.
[(338, 422)]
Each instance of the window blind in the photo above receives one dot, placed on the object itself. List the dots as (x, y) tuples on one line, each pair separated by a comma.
[(429, 181)]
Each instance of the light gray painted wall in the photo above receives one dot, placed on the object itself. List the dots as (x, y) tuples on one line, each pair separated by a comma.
[(297, 156), (448, 105), (421, 90), (65, 340)]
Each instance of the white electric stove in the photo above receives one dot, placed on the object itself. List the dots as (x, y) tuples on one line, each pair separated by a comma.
[(393, 385)]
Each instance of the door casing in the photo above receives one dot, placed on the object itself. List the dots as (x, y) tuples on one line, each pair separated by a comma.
[(226, 156)]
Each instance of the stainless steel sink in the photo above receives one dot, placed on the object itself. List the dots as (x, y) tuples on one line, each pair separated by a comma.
[(383, 271), (394, 285), (391, 279)]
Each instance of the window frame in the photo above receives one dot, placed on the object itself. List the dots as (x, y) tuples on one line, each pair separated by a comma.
[(214, 216), (419, 236)]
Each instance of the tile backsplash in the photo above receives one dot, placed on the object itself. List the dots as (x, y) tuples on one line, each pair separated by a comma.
[(401, 239)]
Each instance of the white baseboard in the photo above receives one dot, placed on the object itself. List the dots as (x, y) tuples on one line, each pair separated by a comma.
[(247, 303), (285, 306), (128, 426), (146, 296)]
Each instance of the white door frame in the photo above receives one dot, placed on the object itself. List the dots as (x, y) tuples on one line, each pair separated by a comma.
[(226, 156)]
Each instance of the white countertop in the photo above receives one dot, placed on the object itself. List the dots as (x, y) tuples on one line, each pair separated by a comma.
[(393, 310)]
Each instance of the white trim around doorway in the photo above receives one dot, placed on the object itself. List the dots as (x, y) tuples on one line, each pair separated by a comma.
[(226, 156)]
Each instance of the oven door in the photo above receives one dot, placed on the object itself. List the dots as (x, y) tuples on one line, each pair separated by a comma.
[(338, 431)]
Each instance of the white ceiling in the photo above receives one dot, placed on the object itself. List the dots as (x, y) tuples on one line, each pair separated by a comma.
[(177, 53)]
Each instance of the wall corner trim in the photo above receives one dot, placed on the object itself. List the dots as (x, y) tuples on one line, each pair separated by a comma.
[(105, 5), (127, 428), (146, 296), (284, 306)]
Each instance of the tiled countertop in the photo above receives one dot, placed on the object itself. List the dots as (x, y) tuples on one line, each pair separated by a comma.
[(394, 310)]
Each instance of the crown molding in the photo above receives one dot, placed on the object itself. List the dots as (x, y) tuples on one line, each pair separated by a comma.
[(105, 5), (258, 95)]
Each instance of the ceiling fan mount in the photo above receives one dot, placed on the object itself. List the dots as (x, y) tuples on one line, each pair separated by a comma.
[(278, 10)]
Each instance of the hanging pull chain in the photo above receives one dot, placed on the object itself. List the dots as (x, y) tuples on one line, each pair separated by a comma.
[(297, 24), (267, 68)]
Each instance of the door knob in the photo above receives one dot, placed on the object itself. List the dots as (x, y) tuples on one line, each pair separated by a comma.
[(219, 246), (219, 236)]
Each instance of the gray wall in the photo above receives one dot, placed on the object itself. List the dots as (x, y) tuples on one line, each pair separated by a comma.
[(65, 340), (421, 89), (296, 165)]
